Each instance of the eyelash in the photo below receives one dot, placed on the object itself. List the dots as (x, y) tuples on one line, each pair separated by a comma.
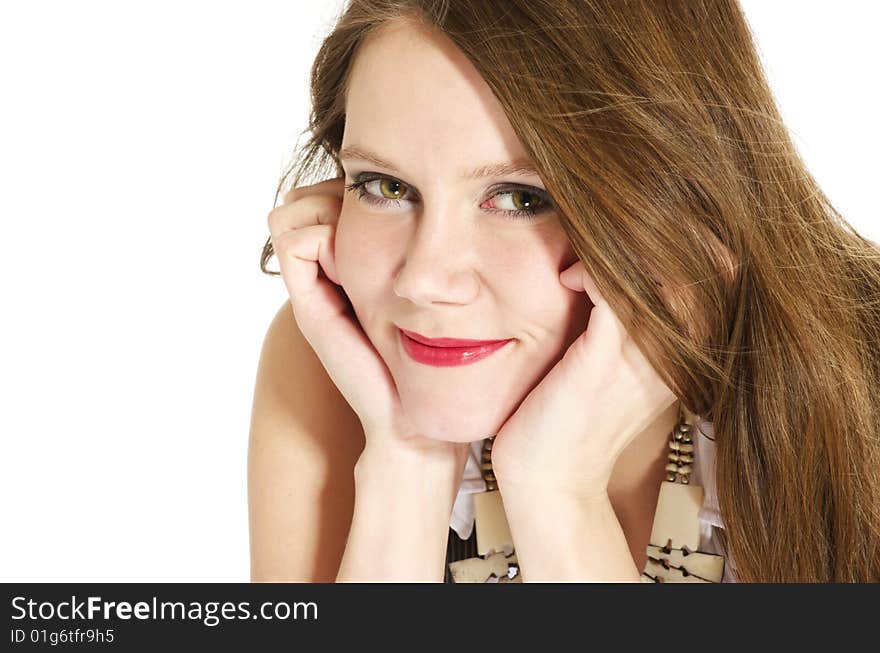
[(519, 214)]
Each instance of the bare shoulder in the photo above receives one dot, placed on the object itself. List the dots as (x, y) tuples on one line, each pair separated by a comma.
[(304, 441)]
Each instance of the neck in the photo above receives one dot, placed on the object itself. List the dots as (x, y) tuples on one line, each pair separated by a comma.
[(635, 482)]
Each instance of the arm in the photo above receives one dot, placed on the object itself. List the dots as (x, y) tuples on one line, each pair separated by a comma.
[(303, 445), (399, 530), (563, 538)]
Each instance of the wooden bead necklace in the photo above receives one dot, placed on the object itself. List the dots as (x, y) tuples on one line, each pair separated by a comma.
[(673, 555)]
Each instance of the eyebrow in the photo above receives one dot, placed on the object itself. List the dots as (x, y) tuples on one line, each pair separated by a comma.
[(518, 167)]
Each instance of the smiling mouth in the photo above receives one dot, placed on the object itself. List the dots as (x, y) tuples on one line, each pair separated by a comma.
[(449, 356), (449, 342)]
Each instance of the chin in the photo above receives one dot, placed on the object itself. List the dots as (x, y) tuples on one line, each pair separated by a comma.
[(449, 420), (451, 430)]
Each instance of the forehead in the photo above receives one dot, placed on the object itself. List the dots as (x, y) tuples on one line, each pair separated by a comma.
[(411, 91)]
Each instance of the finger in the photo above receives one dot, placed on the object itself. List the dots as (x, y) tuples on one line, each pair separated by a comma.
[(335, 186), (301, 253), (304, 212), (604, 334), (576, 277), (571, 276)]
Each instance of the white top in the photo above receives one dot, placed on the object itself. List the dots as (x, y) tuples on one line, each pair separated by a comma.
[(462, 518)]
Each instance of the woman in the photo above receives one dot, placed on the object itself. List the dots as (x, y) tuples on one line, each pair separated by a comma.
[(650, 245)]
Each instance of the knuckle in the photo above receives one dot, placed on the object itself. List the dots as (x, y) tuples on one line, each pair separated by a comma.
[(273, 218), (286, 243), (312, 210)]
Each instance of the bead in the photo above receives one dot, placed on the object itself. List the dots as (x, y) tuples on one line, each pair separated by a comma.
[(495, 567), (489, 477), (493, 531), (680, 454), (670, 565)]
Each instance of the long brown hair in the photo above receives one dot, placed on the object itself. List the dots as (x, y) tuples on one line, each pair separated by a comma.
[(659, 140)]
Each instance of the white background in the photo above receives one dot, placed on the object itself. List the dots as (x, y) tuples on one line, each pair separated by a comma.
[(140, 147)]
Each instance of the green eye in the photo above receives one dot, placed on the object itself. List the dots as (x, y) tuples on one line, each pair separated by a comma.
[(523, 200), (523, 203), (391, 188)]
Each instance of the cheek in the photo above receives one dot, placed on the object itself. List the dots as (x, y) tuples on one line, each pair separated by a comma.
[(558, 313), (351, 248), (345, 251), (364, 257)]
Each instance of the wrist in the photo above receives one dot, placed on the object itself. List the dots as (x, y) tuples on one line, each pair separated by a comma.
[(563, 537), (585, 490), (418, 476), (436, 461), (406, 491), (403, 503)]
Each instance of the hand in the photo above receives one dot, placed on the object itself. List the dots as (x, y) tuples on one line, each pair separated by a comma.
[(568, 432), (303, 234)]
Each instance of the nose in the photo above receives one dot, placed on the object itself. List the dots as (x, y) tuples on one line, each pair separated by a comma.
[(439, 264)]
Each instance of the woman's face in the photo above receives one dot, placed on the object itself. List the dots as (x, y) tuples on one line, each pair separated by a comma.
[(435, 252)]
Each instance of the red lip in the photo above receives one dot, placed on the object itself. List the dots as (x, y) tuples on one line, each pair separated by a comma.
[(447, 352), (449, 342)]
